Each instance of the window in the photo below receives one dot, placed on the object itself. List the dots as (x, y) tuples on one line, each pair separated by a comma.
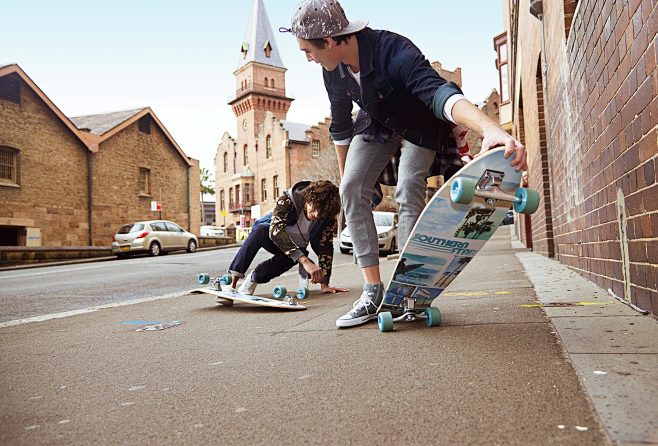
[(263, 190), (225, 162), (247, 193), (10, 89), (172, 227), (238, 197), (8, 165), (316, 148), (235, 157), (272, 81), (267, 47), (144, 181), (144, 125), (275, 182), (222, 200), (231, 198), (158, 226), (268, 147), (500, 44), (245, 154), (267, 82)]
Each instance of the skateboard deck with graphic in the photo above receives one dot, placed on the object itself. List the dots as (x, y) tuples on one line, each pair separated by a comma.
[(227, 296), (455, 224)]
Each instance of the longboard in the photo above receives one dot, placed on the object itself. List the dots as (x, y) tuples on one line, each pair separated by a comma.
[(454, 226), (233, 296)]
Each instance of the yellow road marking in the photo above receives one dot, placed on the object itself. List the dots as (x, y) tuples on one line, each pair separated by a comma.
[(475, 293), (565, 304)]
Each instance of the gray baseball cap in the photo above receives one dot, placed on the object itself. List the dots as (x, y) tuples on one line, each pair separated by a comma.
[(317, 19)]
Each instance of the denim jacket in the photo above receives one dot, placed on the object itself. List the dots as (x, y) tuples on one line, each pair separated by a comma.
[(400, 93)]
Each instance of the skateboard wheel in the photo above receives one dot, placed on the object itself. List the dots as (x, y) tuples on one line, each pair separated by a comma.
[(226, 279), (432, 316), (385, 321), (302, 292), (279, 292), (462, 190), (203, 279), (527, 201)]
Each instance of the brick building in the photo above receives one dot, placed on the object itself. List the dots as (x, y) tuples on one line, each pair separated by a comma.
[(582, 83), (73, 182), (268, 154)]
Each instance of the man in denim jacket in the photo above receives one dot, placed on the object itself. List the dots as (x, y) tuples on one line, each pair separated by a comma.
[(404, 106)]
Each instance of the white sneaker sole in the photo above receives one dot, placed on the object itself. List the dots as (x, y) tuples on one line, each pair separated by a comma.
[(351, 322)]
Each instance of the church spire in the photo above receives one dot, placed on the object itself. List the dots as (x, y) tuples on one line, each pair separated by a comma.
[(258, 44)]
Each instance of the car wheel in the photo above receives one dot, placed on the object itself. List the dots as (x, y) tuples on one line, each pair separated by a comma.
[(191, 246), (154, 249), (344, 251)]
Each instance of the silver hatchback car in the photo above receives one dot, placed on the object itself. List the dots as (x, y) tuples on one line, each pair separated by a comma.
[(153, 237)]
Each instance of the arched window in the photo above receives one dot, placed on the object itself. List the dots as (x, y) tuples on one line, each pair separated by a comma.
[(245, 154), (267, 82), (268, 147), (272, 82), (225, 162)]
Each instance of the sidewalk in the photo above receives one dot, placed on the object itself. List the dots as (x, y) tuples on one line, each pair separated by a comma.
[(500, 369)]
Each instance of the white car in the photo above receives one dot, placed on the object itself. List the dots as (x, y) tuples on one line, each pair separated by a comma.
[(387, 233), (153, 237), (212, 231)]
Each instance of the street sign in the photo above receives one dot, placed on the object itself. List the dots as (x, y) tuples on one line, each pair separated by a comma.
[(224, 213), (156, 206)]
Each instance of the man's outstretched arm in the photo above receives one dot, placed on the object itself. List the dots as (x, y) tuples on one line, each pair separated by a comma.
[(468, 115)]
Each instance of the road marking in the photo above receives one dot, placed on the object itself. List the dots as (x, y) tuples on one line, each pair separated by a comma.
[(47, 317), (108, 264), (475, 293), (564, 304)]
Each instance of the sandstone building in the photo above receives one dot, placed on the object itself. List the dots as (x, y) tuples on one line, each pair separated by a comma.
[(268, 154), (74, 181)]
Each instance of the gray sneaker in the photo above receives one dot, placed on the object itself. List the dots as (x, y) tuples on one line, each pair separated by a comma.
[(364, 309)]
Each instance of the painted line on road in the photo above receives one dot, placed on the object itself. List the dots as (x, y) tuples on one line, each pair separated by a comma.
[(105, 265), (47, 317)]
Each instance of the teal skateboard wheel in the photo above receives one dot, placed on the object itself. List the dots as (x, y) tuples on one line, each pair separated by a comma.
[(302, 292), (226, 279), (462, 190), (385, 321), (527, 201), (432, 316), (279, 292), (203, 279)]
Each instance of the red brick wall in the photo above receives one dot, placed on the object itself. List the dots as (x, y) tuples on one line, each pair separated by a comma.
[(602, 138), (53, 173)]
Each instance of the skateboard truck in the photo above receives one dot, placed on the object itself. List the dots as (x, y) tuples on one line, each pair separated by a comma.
[(462, 191), (431, 315)]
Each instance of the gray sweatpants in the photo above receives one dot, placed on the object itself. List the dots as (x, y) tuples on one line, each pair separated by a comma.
[(365, 162)]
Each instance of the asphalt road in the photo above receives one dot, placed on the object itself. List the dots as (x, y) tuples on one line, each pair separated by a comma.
[(55, 289), (494, 372)]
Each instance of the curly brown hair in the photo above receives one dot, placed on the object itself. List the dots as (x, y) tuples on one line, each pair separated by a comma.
[(324, 197)]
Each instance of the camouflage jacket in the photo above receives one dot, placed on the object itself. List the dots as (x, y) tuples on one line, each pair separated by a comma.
[(285, 213)]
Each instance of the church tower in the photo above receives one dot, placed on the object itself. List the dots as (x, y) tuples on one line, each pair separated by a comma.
[(260, 77)]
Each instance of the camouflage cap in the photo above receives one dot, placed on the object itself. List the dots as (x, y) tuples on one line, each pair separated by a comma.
[(317, 19)]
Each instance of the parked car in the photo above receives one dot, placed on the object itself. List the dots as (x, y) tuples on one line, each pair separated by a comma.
[(387, 233), (509, 218), (152, 237), (212, 231)]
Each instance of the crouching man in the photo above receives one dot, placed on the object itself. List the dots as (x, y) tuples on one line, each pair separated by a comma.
[(305, 214)]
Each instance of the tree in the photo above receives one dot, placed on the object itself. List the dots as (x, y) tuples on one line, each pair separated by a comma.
[(207, 187)]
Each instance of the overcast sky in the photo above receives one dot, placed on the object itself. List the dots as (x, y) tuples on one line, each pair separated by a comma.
[(178, 57)]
